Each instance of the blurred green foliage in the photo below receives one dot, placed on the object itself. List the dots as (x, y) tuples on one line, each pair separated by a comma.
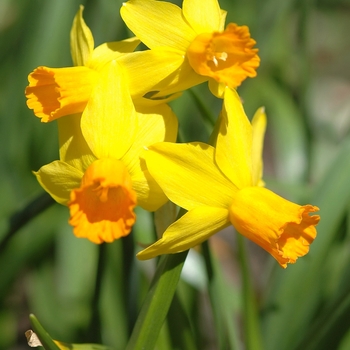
[(85, 293)]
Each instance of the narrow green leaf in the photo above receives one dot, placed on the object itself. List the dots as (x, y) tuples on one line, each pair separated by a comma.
[(44, 337), (252, 332), (157, 302), (221, 297), (179, 326), (304, 281)]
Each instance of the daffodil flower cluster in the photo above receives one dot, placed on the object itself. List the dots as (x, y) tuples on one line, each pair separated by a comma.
[(117, 134)]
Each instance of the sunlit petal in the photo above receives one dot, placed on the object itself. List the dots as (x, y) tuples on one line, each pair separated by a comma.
[(110, 51), (203, 17), (73, 147), (59, 179), (188, 175), (193, 228), (81, 40), (234, 142), (109, 120), (157, 23), (258, 127)]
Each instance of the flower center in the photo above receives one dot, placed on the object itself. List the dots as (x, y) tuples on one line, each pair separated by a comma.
[(55, 92), (228, 57), (102, 208)]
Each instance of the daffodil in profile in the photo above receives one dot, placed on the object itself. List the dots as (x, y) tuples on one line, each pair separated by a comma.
[(99, 175), (193, 42), (56, 92), (222, 186)]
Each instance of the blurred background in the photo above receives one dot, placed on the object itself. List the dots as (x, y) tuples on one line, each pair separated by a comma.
[(304, 83)]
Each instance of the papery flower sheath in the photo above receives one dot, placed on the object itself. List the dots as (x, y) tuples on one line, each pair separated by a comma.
[(222, 186), (99, 175), (193, 42)]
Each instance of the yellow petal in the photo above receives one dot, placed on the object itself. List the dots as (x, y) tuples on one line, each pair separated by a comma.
[(157, 23), (193, 228), (107, 52), (102, 208), (73, 147), (203, 16), (149, 194), (188, 175), (223, 15), (59, 179), (55, 92), (228, 56), (155, 124), (109, 120), (174, 73), (282, 228), (234, 142), (258, 127), (81, 40)]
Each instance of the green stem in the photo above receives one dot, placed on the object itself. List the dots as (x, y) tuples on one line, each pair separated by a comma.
[(94, 330), (250, 316), (157, 302), (223, 313)]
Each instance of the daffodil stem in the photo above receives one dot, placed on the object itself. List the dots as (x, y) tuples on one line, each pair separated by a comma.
[(226, 330), (205, 112), (94, 329), (250, 316), (157, 302)]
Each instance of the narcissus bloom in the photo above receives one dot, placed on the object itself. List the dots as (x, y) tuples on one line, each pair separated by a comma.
[(99, 174), (56, 92), (193, 42), (222, 186)]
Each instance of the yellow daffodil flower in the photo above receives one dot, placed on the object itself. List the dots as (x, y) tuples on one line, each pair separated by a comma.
[(56, 92), (99, 175), (193, 43), (222, 186)]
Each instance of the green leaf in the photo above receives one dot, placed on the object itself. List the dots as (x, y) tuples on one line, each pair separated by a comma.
[(44, 337), (296, 293), (157, 302), (49, 344)]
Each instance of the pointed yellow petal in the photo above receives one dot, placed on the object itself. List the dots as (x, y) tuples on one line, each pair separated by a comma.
[(193, 228), (174, 74), (284, 229), (259, 127), (149, 194), (59, 179), (73, 147), (223, 15), (111, 51), (234, 142), (188, 175), (157, 23), (155, 124), (203, 16), (109, 119), (81, 40)]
